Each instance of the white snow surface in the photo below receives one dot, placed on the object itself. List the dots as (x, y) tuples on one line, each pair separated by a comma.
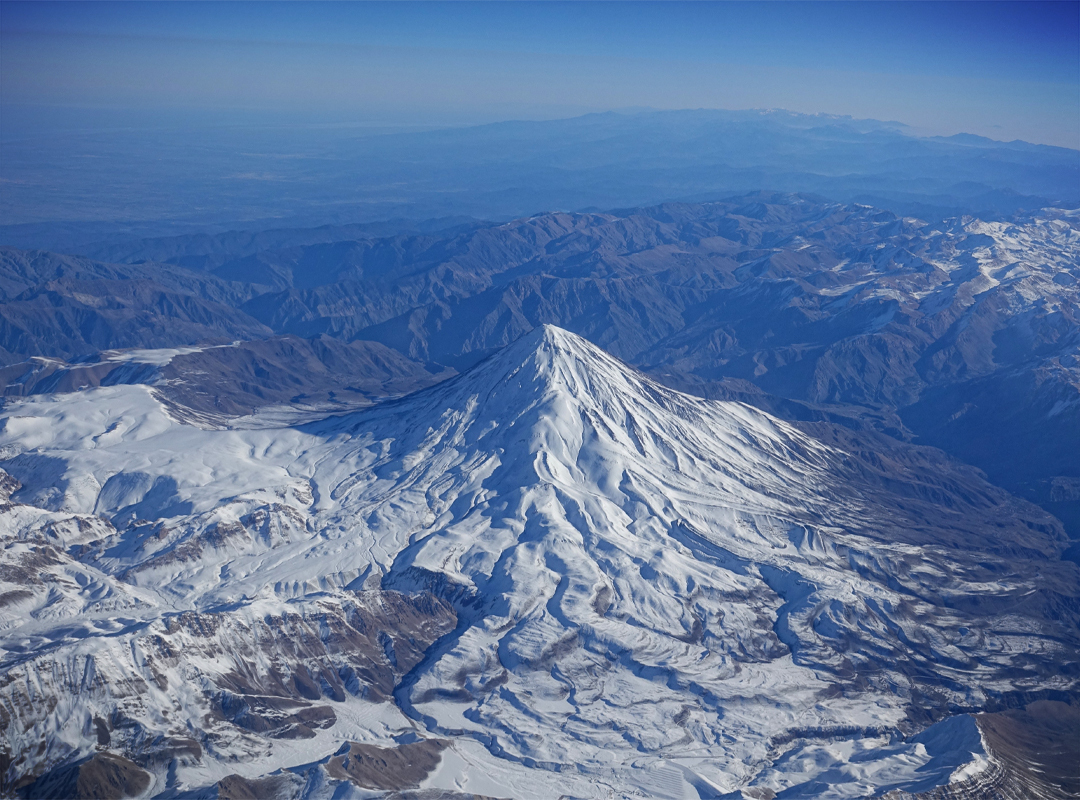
[(653, 590)]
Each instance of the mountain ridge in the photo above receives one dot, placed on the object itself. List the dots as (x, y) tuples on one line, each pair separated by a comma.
[(844, 312)]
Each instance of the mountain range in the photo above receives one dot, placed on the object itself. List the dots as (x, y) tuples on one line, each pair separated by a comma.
[(817, 311), (76, 191)]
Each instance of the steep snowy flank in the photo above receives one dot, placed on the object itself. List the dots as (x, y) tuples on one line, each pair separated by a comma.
[(588, 584)]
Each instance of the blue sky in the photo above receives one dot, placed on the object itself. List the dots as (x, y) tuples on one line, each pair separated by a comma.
[(1005, 70)]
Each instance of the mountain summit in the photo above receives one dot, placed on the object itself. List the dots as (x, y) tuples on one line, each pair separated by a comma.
[(572, 577)]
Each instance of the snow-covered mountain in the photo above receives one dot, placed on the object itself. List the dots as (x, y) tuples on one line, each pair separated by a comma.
[(549, 576), (928, 331)]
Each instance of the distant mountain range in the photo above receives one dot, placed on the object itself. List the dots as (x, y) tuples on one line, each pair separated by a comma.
[(87, 192), (813, 310), (550, 576)]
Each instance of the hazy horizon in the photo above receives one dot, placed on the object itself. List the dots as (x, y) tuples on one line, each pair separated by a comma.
[(150, 119), (1000, 70)]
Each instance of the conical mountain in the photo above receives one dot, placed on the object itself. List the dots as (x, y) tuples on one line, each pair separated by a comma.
[(651, 592)]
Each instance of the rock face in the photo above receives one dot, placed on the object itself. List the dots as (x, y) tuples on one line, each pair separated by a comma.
[(65, 306), (103, 776), (549, 575), (1034, 757), (400, 767), (238, 378)]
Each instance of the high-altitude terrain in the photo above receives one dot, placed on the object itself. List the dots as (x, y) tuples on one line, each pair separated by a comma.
[(547, 576), (926, 331)]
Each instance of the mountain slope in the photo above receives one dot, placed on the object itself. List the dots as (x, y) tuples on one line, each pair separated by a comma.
[(929, 330), (628, 589), (235, 379), (65, 306), (927, 327)]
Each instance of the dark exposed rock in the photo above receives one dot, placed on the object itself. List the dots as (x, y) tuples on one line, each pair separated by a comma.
[(1040, 744), (273, 787), (388, 768), (8, 486), (435, 794), (1034, 755), (238, 378), (103, 776), (66, 307), (323, 653), (288, 369)]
